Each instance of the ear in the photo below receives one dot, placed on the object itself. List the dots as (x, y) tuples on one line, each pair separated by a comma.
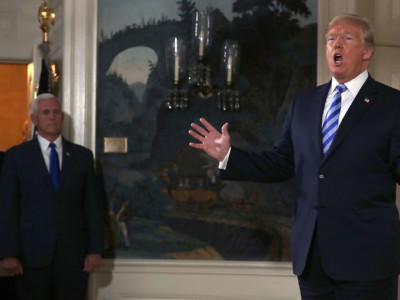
[(34, 119), (367, 53)]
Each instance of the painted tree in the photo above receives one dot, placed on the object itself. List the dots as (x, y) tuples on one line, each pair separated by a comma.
[(185, 9), (268, 31)]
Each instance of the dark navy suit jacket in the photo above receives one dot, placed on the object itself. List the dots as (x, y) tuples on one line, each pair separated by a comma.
[(350, 193), (1, 159), (35, 220)]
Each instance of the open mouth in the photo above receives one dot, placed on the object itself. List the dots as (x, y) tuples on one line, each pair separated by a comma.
[(338, 58)]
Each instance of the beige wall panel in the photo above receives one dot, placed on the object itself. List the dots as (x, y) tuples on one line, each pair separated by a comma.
[(19, 29), (387, 22), (386, 66)]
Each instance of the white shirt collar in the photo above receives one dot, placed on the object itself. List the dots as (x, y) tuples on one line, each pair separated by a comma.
[(354, 85), (44, 143)]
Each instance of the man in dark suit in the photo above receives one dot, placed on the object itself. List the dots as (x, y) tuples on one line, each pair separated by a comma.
[(51, 237), (345, 229)]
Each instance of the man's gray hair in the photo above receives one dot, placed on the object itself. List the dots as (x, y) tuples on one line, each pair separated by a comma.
[(40, 97)]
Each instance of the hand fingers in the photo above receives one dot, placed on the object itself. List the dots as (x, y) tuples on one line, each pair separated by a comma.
[(91, 265), (197, 136), (9, 271), (20, 271), (196, 146), (199, 129), (207, 125), (88, 268), (91, 269), (224, 129), (14, 271)]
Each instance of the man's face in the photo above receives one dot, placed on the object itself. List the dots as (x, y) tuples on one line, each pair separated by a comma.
[(345, 52), (48, 119)]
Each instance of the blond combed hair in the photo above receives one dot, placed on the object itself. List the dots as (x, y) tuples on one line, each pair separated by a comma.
[(363, 23)]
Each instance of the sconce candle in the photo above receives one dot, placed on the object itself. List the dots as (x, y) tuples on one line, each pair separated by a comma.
[(176, 70), (201, 32), (176, 64), (229, 70), (201, 43), (230, 61), (175, 58), (228, 98)]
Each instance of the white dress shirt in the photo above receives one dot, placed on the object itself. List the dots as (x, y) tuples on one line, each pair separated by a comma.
[(44, 146), (348, 96)]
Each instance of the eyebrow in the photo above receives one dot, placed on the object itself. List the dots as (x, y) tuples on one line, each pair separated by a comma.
[(348, 32), (49, 110), (334, 34)]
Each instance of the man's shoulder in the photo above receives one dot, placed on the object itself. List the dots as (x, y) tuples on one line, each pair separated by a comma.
[(382, 87), (76, 147), (313, 91), (22, 147)]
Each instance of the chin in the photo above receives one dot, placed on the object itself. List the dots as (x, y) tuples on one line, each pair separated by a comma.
[(336, 71)]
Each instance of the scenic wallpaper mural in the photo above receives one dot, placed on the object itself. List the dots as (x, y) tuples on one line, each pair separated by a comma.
[(165, 199)]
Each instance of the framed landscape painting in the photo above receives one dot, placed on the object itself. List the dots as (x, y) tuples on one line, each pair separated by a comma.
[(165, 199)]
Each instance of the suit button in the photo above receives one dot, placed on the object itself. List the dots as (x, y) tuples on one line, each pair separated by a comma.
[(321, 176)]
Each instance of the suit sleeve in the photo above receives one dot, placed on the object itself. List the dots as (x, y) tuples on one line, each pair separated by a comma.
[(395, 149), (9, 206), (268, 166), (94, 211)]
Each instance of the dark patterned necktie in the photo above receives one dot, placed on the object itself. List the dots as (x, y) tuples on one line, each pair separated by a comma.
[(331, 122)]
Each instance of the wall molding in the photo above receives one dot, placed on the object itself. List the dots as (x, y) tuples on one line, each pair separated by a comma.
[(79, 70), (197, 267), (200, 280)]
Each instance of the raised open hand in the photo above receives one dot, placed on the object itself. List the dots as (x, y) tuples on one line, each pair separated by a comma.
[(214, 143)]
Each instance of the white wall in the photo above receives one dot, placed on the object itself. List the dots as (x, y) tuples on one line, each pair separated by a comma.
[(19, 30)]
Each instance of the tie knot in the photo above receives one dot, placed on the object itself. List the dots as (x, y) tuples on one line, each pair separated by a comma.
[(52, 145), (341, 87)]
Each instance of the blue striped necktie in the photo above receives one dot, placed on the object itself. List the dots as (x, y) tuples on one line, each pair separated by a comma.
[(54, 167), (331, 122)]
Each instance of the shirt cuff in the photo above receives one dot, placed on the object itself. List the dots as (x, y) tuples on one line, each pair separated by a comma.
[(224, 162)]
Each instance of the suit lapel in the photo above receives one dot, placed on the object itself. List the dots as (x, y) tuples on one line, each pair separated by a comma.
[(66, 162), (316, 117), (38, 162), (361, 104)]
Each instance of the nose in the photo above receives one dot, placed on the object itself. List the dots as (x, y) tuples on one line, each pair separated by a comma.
[(338, 43)]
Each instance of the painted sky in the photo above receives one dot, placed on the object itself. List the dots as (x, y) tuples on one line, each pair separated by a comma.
[(132, 11), (114, 15)]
